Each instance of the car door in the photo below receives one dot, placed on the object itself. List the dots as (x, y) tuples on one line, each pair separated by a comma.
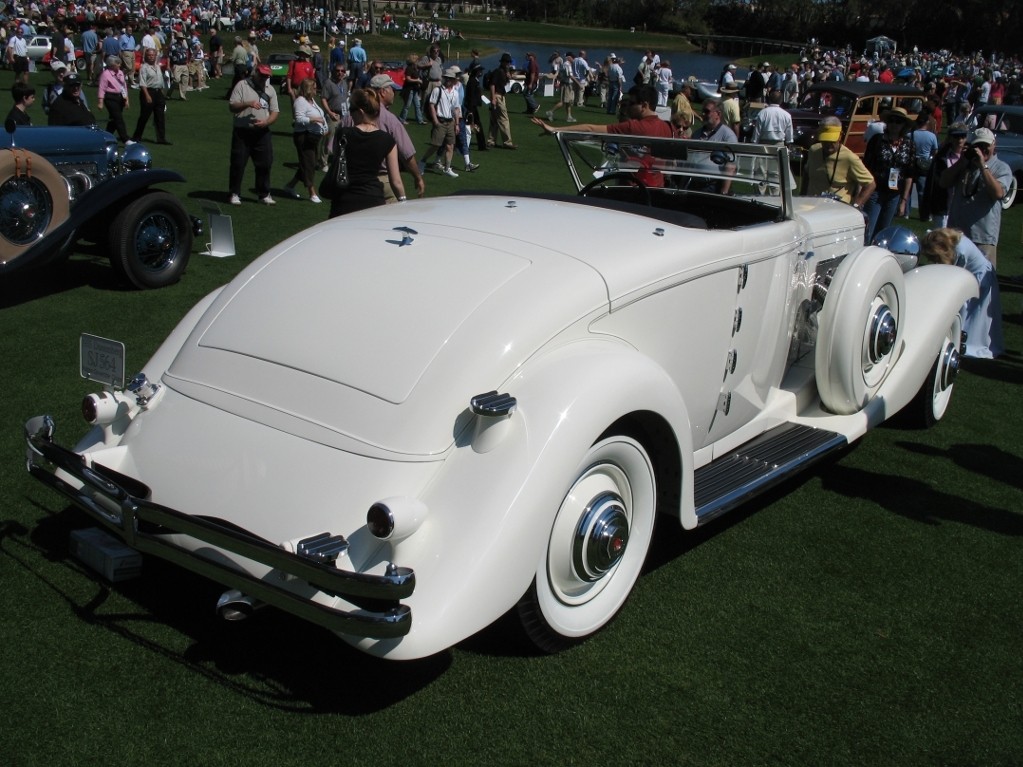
[(753, 361)]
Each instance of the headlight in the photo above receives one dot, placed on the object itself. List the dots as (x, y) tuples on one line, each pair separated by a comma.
[(136, 157)]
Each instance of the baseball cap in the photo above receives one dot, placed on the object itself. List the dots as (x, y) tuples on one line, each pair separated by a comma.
[(381, 81), (981, 136), (830, 133), (263, 69)]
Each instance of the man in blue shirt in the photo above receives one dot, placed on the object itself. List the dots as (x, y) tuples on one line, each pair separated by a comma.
[(337, 55), (128, 46), (356, 62), (90, 43)]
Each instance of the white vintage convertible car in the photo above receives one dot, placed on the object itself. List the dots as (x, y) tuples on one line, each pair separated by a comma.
[(404, 423)]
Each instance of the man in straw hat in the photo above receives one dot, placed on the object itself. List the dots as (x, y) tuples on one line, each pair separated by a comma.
[(891, 161), (300, 68)]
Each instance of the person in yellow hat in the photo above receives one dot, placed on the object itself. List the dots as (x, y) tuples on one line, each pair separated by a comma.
[(834, 169)]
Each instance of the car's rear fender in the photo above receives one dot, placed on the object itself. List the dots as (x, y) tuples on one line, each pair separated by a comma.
[(109, 435), (934, 295), (492, 511)]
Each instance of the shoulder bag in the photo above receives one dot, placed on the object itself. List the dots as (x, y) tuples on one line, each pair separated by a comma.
[(336, 181)]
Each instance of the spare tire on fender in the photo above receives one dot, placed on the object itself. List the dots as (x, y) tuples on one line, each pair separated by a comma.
[(860, 329), (33, 201)]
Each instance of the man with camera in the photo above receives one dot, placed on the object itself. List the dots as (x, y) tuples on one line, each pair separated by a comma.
[(979, 181)]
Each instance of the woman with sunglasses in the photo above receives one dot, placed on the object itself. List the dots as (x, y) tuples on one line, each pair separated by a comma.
[(891, 160)]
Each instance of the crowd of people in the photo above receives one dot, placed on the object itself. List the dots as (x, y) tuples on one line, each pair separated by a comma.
[(341, 103)]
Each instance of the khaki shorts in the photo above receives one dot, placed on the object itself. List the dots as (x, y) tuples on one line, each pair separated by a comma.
[(443, 133)]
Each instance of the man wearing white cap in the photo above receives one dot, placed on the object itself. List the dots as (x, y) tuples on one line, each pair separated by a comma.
[(979, 181), (356, 62), (615, 76), (445, 111), (727, 76)]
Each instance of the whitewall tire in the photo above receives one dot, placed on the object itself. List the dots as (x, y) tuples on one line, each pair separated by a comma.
[(597, 546), (860, 333), (931, 402)]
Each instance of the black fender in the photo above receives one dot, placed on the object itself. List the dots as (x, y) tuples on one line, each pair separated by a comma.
[(107, 195)]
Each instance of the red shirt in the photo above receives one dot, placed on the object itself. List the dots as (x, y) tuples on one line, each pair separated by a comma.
[(299, 70), (651, 125)]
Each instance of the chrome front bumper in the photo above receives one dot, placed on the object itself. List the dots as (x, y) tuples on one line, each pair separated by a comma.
[(119, 504)]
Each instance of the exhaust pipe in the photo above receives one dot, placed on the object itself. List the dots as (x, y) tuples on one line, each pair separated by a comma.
[(233, 605)]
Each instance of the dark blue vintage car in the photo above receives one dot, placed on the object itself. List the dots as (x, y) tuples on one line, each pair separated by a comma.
[(59, 185)]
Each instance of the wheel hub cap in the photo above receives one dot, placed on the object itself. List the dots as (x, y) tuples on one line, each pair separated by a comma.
[(155, 242), (883, 331), (25, 210), (949, 366), (601, 537)]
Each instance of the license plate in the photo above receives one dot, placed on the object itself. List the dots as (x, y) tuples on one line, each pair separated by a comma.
[(102, 360)]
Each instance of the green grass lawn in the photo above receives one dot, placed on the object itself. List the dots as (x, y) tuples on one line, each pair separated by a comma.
[(867, 614)]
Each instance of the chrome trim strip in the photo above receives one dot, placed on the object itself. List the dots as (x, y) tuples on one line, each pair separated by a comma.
[(378, 615)]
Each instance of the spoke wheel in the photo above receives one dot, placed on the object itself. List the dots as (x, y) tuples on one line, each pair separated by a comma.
[(597, 546), (151, 240)]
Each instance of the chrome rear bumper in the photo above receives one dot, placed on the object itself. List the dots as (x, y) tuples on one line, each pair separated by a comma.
[(119, 504)]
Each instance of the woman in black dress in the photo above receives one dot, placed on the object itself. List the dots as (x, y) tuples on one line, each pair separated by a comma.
[(367, 149)]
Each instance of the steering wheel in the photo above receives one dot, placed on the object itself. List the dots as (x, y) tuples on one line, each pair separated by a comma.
[(619, 176)]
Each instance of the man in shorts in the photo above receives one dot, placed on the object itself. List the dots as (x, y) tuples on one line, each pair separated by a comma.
[(445, 111), (568, 83), (17, 55)]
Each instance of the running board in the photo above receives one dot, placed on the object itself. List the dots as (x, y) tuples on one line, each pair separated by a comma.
[(760, 464)]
